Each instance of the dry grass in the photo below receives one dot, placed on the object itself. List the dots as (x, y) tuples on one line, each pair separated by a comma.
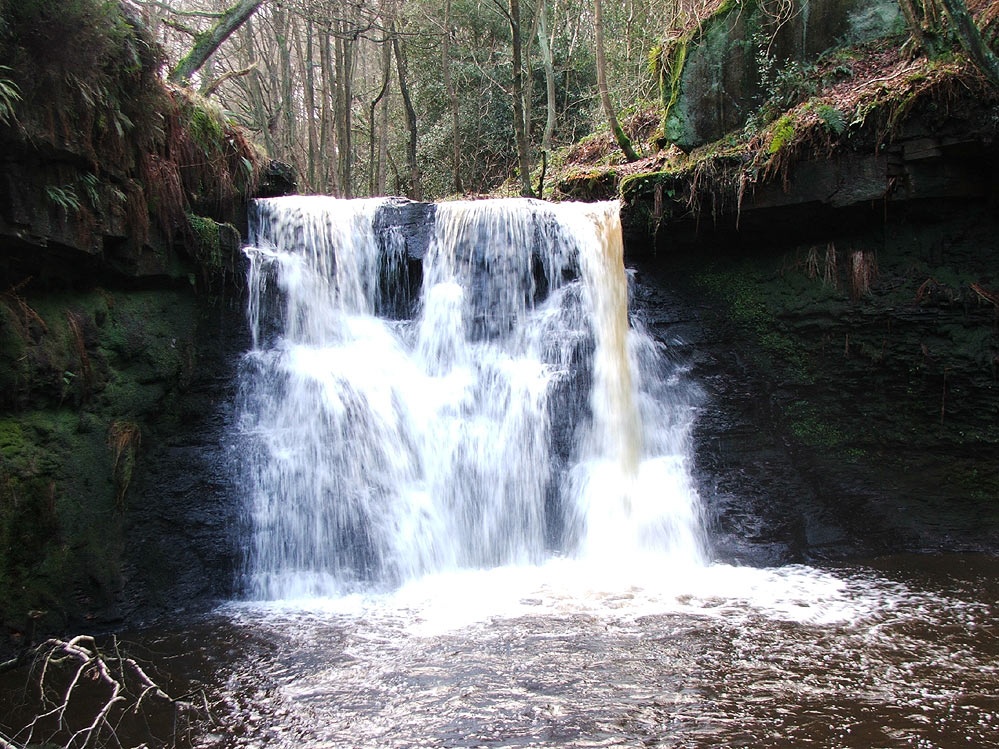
[(75, 322), (124, 439), (25, 316), (863, 272)]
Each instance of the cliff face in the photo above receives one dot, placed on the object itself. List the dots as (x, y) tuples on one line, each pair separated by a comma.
[(832, 254), (842, 255), (103, 166), (117, 256)]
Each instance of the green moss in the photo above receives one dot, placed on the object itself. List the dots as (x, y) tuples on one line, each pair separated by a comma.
[(208, 240), (13, 358), (206, 124), (741, 288), (671, 60), (644, 185), (64, 472), (814, 429), (42, 519), (589, 184)]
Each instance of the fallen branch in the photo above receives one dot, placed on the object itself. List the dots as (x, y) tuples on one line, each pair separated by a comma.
[(83, 697), (985, 294), (214, 85)]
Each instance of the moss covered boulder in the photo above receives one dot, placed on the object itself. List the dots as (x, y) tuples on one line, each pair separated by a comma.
[(716, 73)]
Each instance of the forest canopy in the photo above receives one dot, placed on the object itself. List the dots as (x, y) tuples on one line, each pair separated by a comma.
[(416, 97), (433, 98)]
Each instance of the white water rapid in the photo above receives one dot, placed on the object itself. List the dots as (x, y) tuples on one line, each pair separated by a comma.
[(500, 411)]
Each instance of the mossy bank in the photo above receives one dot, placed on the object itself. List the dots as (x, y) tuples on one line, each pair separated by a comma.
[(119, 277)]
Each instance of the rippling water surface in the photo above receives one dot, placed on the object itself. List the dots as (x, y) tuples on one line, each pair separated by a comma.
[(901, 653)]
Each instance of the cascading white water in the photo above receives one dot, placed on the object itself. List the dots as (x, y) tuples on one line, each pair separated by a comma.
[(508, 414)]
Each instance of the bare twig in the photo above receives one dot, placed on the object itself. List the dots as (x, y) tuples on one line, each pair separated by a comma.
[(75, 673), (214, 85)]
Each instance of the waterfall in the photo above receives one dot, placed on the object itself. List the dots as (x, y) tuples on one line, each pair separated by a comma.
[(480, 402)]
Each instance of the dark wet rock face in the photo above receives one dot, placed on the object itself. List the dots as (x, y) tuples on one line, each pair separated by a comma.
[(852, 392), (183, 534), (119, 265), (111, 505)]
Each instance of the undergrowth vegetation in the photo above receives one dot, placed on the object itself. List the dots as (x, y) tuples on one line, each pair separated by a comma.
[(81, 81), (119, 176), (854, 96), (865, 109)]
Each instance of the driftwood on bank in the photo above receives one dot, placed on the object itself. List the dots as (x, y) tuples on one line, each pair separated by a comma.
[(83, 697)]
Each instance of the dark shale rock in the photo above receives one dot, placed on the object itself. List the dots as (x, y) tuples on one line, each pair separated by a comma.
[(114, 351), (844, 320), (851, 378), (410, 221), (276, 180)]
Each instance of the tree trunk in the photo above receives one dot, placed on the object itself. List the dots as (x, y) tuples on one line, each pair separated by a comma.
[(549, 66), (374, 165), (453, 97), (383, 149), (283, 27), (415, 191), (344, 49), (915, 24), (326, 136), (619, 135), (256, 93), (205, 44), (971, 39), (519, 125), (310, 106)]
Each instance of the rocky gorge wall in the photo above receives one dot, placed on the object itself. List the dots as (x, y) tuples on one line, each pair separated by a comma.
[(119, 317), (836, 293), (852, 382), (716, 72), (835, 271)]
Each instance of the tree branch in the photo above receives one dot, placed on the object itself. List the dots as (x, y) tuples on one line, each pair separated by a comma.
[(208, 42), (971, 39), (176, 11), (105, 687), (178, 26), (213, 87)]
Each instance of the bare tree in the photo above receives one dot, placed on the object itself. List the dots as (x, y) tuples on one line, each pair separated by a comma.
[(926, 20), (85, 697), (415, 188), (619, 135), (971, 39), (549, 67), (520, 129), (452, 96)]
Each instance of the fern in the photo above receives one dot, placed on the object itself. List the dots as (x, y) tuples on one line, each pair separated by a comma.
[(65, 197), (10, 94), (782, 133), (832, 118), (91, 185)]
